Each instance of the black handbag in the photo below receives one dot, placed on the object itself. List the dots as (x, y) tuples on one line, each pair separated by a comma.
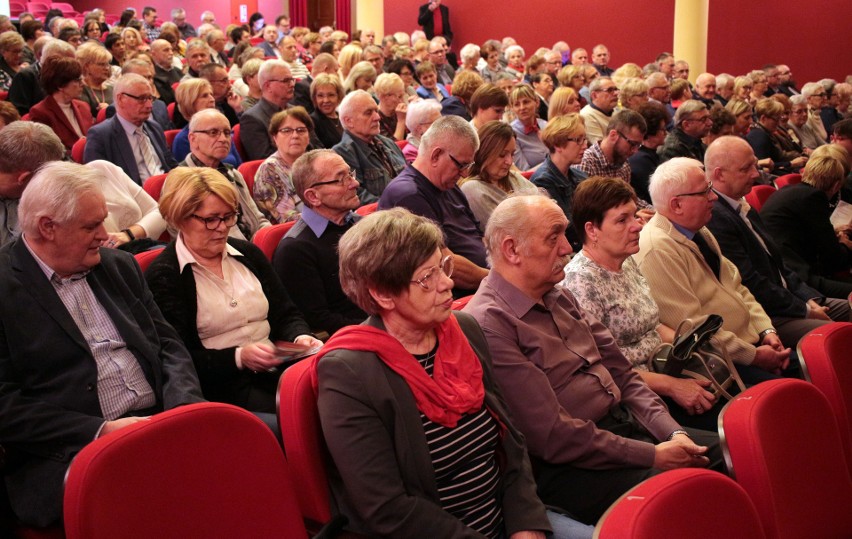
[(696, 353)]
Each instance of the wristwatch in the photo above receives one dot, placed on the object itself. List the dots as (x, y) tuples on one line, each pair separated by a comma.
[(766, 332), (675, 433)]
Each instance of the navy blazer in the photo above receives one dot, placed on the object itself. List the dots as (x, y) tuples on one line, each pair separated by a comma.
[(108, 141), (268, 50), (49, 406), (761, 272)]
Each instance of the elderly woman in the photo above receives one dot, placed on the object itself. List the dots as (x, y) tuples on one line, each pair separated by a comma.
[(815, 95), (565, 140), (248, 72), (722, 126), (798, 217), (407, 402), (492, 176), (632, 93), (62, 110), (326, 95), (542, 83), (759, 85), (95, 62), (487, 104), (743, 87), (430, 88), (470, 55), (743, 113), (490, 52), (563, 101), (362, 76), (515, 61), (763, 140), (221, 294), (390, 90), (274, 193), (607, 283), (191, 96), (785, 139), (419, 118), (11, 57), (799, 127), (530, 151)]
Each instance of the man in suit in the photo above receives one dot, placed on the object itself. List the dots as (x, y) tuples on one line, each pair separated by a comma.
[(84, 350), (130, 139), (276, 86), (323, 63), (438, 56), (794, 307), (165, 74), (435, 20)]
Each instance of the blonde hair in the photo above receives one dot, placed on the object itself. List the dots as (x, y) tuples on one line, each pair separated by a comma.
[(828, 165), (187, 187), (560, 100), (188, 92)]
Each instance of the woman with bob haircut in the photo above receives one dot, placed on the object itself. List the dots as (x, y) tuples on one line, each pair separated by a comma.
[(191, 96)]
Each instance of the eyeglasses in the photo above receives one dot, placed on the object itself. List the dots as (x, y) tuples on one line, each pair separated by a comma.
[(140, 98), (287, 131), (461, 166), (702, 193), (287, 81), (340, 180), (700, 119), (610, 90), (214, 133), (218, 81), (579, 141), (430, 277), (633, 144), (212, 223)]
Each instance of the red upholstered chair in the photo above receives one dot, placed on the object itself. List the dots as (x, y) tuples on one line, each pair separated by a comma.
[(201, 470), (758, 195), (101, 116), (238, 142), (824, 356), (154, 185), (256, 41), (175, 85), (170, 108), (782, 444), (367, 209), (145, 258), (527, 174), (248, 170), (4, 95), (787, 179), (461, 302), (268, 237), (78, 149), (170, 135), (666, 506), (401, 143)]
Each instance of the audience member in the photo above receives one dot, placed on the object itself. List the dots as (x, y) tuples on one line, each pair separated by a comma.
[(227, 101), (487, 104), (623, 137), (26, 89), (692, 122), (644, 162), (418, 119), (600, 59), (276, 86), (530, 150), (191, 96), (597, 114), (62, 109), (765, 143), (187, 31), (95, 64), (326, 95), (197, 56), (165, 74)]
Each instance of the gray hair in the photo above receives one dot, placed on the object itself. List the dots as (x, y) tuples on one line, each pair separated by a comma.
[(347, 106), (196, 44), (420, 110), (652, 78), (511, 218), (305, 171), (470, 52), (631, 87), (670, 178), (811, 88), (55, 192), (596, 84), (798, 99), (25, 146), (57, 47), (178, 11), (723, 79), (127, 80), (205, 114), (265, 71), (512, 48), (686, 108), (453, 130)]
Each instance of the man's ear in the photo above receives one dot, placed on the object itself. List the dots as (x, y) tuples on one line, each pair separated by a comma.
[(46, 228), (510, 249)]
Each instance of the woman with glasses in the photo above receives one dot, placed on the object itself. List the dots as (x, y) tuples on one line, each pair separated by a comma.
[(62, 110), (221, 294), (799, 127), (191, 96), (419, 438), (95, 62), (765, 143), (11, 57), (573, 77), (274, 192)]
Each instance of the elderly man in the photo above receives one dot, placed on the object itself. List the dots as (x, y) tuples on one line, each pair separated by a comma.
[(165, 74), (552, 65), (24, 147), (187, 31), (130, 139), (368, 37), (197, 56), (228, 102), (689, 277), (665, 63), (208, 17), (290, 55), (389, 42), (428, 187), (794, 307), (659, 88), (692, 123), (579, 57), (593, 428), (434, 18), (306, 259), (597, 114), (276, 87), (705, 89), (159, 110), (608, 157), (438, 57), (724, 88), (216, 40), (376, 159), (89, 354), (681, 70), (374, 55), (149, 23), (209, 144), (323, 63), (600, 59)]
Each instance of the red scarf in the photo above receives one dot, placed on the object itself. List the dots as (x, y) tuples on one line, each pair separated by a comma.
[(455, 387), (530, 129)]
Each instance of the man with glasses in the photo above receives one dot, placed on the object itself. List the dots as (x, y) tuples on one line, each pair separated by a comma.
[(688, 276), (187, 31), (552, 65), (692, 123), (165, 73), (375, 158), (306, 259), (624, 135), (228, 102), (131, 139), (438, 57), (276, 88), (429, 187), (597, 114), (209, 144)]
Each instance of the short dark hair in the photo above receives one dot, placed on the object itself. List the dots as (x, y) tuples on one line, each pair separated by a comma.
[(207, 70), (721, 117), (627, 119), (111, 39), (29, 29), (487, 96), (654, 113), (594, 197), (237, 34), (57, 71), (843, 128), (147, 10), (67, 33)]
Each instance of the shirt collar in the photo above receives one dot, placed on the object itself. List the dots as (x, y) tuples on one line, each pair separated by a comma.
[(128, 127), (685, 231), (736, 204), (185, 256), (51, 275)]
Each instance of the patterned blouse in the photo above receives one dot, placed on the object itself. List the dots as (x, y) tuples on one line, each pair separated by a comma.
[(274, 192), (621, 301)]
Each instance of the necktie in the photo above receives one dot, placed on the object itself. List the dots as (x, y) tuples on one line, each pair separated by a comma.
[(152, 164), (710, 256)]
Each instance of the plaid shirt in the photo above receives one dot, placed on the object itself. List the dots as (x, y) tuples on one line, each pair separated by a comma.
[(152, 32), (594, 163)]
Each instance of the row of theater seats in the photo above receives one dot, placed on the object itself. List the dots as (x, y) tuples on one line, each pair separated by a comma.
[(214, 470), (759, 194)]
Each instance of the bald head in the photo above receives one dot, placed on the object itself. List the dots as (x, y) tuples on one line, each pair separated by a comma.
[(731, 165)]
